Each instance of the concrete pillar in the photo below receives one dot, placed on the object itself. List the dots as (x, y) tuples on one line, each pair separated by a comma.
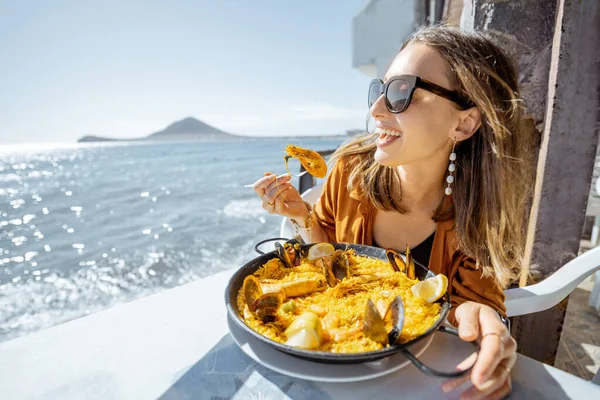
[(557, 45), (525, 29)]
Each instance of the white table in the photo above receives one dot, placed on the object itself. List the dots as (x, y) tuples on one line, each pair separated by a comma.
[(175, 345)]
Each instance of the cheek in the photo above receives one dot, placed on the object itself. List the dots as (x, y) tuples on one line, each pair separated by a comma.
[(427, 122)]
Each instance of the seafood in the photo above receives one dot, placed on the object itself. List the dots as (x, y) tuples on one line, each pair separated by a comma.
[(335, 267), (295, 288), (343, 302), (289, 252), (398, 263), (333, 332), (263, 305), (374, 323), (310, 160), (264, 300)]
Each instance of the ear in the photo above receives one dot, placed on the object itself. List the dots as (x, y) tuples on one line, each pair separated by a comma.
[(469, 122)]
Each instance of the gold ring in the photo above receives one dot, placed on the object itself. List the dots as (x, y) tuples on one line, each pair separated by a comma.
[(271, 205), (493, 333)]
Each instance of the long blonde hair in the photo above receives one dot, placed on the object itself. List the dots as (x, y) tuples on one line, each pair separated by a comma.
[(494, 168)]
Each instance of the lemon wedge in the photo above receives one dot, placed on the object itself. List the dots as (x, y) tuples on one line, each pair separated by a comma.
[(319, 250), (431, 289)]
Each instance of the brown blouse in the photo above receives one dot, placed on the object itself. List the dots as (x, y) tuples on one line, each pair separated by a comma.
[(348, 217)]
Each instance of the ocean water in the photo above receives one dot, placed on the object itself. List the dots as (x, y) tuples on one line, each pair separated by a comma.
[(87, 227)]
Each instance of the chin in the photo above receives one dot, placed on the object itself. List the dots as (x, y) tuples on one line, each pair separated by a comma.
[(384, 159)]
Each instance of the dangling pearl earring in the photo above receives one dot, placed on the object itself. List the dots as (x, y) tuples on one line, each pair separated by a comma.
[(451, 169)]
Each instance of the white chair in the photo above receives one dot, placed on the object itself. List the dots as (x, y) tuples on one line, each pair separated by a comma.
[(594, 300), (519, 301)]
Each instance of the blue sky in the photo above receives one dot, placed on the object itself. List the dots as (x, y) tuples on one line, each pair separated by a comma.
[(129, 68)]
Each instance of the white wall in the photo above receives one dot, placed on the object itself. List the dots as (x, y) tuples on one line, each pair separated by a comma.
[(378, 32)]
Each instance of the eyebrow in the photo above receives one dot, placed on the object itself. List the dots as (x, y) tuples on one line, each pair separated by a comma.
[(412, 73)]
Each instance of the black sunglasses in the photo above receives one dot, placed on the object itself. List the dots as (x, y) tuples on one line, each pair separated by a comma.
[(398, 92)]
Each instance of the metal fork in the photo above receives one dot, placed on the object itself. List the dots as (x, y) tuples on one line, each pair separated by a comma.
[(279, 176)]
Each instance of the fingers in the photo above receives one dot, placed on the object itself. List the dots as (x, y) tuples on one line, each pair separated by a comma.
[(497, 352), (274, 189), (490, 354), (467, 315), (491, 324), (269, 179), (259, 185), (492, 351), (269, 188), (272, 203), (510, 350), (467, 362)]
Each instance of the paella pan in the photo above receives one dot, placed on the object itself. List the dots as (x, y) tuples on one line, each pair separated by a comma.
[(355, 308)]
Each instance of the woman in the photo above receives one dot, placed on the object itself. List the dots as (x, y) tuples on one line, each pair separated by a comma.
[(446, 172)]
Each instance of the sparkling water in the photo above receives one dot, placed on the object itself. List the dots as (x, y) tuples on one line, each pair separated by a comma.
[(86, 227)]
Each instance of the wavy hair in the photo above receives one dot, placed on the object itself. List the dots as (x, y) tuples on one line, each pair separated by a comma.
[(494, 168)]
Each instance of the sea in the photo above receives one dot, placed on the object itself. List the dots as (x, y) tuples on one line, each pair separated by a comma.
[(89, 226)]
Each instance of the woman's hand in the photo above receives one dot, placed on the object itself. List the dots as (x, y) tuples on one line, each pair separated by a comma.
[(497, 355), (280, 197)]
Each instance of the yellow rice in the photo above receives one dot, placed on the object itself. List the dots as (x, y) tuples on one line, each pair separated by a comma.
[(345, 303)]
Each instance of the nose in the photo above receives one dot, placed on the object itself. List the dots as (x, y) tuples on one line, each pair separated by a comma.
[(379, 109)]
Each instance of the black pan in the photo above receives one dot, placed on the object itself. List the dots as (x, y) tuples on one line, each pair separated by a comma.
[(236, 281)]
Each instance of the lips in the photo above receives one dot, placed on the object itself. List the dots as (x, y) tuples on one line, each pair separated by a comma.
[(387, 135)]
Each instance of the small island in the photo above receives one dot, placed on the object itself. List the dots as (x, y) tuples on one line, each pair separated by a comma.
[(187, 129)]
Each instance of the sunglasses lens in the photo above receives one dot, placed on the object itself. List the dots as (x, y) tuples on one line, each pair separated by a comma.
[(374, 92), (397, 94)]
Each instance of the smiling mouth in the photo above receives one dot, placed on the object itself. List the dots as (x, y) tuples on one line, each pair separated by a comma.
[(387, 134)]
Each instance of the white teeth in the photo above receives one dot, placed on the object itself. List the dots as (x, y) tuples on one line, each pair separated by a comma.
[(388, 132)]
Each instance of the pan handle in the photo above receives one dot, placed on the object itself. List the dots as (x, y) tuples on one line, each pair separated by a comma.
[(432, 372), (257, 245)]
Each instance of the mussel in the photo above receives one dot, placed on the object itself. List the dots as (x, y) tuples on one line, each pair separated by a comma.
[(335, 267), (263, 306), (374, 324), (398, 263), (340, 265), (289, 252)]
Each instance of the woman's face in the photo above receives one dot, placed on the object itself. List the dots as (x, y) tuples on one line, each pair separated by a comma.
[(424, 131)]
